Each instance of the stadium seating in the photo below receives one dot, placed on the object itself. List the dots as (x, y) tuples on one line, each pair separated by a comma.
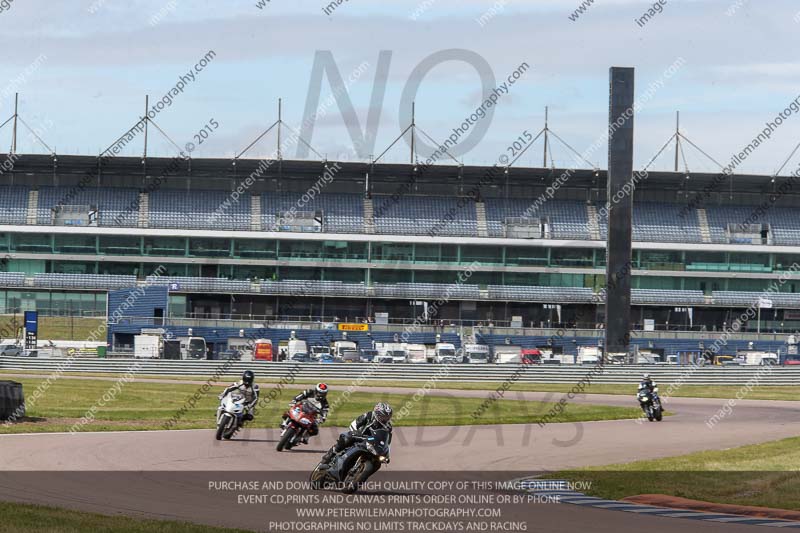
[(117, 207), (541, 294), (199, 210), (568, 219), (667, 297), (747, 299), (12, 279), (426, 290), (403, 215), (663, 223), (784, 223), (95, 281), (300, 288), (201, 284), (342, 213), (422, 215), (13, 204)]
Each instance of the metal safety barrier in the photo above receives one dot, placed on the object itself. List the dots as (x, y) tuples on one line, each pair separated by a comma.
[(496, 373)]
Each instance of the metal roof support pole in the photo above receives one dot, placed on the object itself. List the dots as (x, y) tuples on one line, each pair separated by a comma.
[(14, 134)]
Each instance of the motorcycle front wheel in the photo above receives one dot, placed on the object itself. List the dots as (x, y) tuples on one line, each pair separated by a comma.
[(231, 431), (358, 475), (285, 441), (223, 422), (317, 478), (659, 414)]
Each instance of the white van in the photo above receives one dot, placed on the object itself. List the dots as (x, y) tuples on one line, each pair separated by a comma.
[(444, 353)]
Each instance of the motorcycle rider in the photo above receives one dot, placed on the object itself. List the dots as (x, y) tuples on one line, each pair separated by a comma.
[(248, 389), (319, 393), (379, 417), (647, 383)]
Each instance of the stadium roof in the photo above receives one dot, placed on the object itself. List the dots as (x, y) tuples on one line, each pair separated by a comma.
[(213, 168)]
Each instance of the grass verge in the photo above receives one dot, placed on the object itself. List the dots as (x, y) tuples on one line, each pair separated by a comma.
[(109, 405), (56, 327), (780, 392), (766, 475), (19, 518)]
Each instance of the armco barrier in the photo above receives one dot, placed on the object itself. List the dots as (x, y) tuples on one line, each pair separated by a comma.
[(729, 375)]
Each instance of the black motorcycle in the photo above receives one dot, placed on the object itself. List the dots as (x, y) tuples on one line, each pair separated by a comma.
[(353, 466), (651, 404)]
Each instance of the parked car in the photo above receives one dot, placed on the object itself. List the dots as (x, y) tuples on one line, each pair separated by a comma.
[(10, 350), (300, 357), (327, 358), (368, 355)]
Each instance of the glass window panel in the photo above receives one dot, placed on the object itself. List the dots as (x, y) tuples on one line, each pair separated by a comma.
[(119, 245)]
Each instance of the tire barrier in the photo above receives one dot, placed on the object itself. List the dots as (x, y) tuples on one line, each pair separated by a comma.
[(12, 400)]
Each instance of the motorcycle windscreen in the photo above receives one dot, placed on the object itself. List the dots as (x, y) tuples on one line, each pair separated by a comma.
[(380, 441)]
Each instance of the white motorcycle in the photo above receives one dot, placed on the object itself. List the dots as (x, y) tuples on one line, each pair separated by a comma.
[(230, 415)]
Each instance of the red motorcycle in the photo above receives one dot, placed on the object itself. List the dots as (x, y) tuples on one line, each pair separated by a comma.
[(302, 418)]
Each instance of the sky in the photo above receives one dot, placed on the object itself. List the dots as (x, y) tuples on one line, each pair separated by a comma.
[(83, 67)]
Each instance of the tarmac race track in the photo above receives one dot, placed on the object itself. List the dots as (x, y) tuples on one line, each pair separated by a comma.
[(165, 474)]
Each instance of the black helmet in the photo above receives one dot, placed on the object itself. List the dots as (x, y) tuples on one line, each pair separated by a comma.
[(382, 413), (248, 377), (321, 391)]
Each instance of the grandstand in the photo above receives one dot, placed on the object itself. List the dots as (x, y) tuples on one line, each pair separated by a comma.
[(395, 243)]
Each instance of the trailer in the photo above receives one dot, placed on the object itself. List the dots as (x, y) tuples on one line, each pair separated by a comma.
[(147, 346)]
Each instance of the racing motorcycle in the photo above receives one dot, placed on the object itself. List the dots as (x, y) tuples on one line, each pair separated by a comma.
[(302, 417), (353, 466), (651, 404), (230, 415)]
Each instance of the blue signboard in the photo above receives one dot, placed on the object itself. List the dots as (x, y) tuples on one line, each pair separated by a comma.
[(31, 322), (174, 287)]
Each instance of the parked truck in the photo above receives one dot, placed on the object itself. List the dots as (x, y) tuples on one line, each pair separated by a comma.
[(416, 353), (475, 353), (756, 357), (507, 354), (156, 346), (397, 351), (589, 355), (339, 347), (147, 346)]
